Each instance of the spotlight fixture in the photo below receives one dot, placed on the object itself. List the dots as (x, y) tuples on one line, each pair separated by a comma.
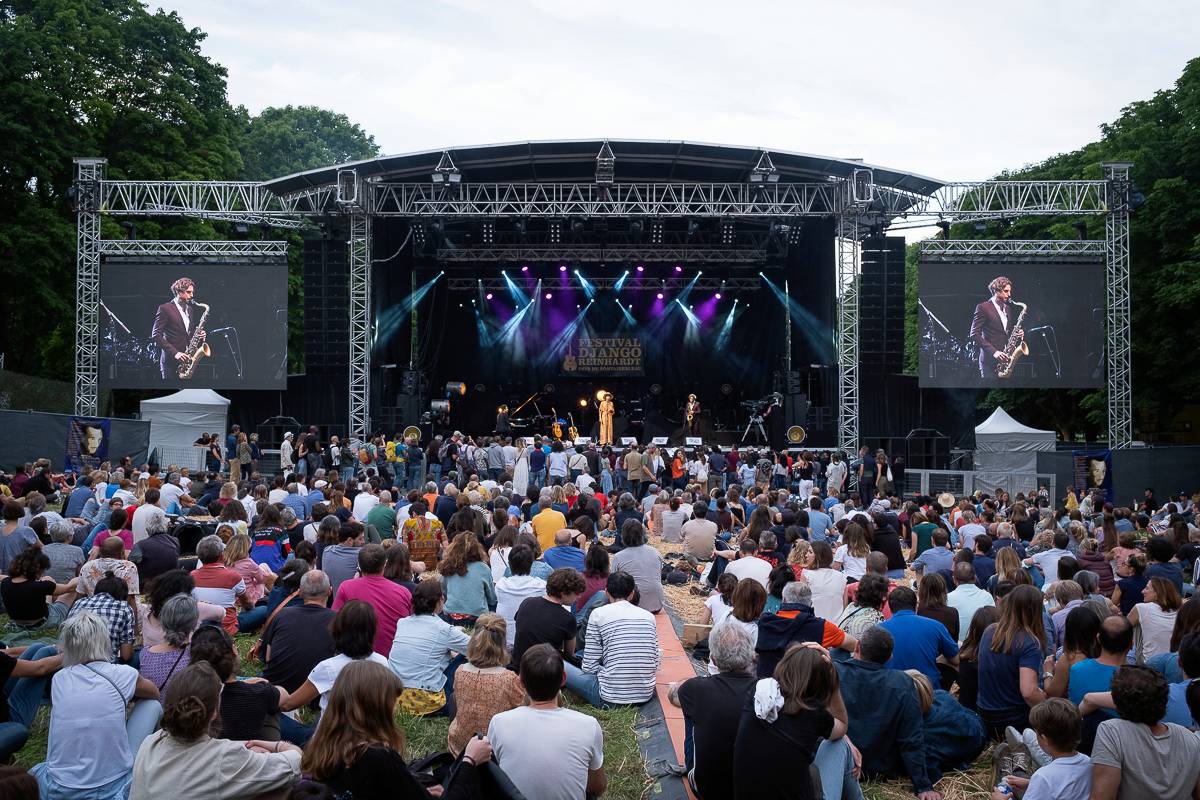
[(693, 227), (795, 230), (728, 231), (418, 234), (488, 231), (678, 268), (764, 170), (549, 296), (555, 231), (641, 268), (660, 295), (445, 172), (562, 267), (717, 295), (583, 402), (525, 268), (489, 296)]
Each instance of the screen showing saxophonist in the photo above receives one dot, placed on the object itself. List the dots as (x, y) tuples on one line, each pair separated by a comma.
[(174, 327), (990, 327)]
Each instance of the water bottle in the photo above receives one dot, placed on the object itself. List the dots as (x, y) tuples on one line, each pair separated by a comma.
[(1003, 788)]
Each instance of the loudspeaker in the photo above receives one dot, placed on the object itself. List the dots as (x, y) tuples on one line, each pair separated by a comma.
[(326, 305), (795, 410), (881, 305)]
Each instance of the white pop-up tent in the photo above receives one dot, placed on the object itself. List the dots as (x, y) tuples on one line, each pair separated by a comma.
[(178, 420), (1004, 445)]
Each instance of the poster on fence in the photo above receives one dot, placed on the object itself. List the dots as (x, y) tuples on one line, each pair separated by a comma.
[(1093, 471), (87, 443)]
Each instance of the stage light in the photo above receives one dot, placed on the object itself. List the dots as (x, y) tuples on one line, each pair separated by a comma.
[(549, 296), (579, 305), (562, 267), (489, 296), (525, 268), (717, 295), (678, 268), (660, 296), (455, 387), (641, 268), (583, 402)]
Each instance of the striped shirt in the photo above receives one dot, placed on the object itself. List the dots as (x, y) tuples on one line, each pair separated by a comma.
[(219, 585), (622, 649)]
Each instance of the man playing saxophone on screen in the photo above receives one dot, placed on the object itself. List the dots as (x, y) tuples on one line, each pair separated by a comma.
[(990, 327), (174, 325)]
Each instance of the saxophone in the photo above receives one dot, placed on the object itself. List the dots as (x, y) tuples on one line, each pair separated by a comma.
[(1016, 345), (197, 348)]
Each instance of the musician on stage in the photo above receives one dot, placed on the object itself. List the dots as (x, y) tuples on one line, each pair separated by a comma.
[(773, 419), (990, 326), (692, 415), (502, 426), (174, 324), (606, 419)]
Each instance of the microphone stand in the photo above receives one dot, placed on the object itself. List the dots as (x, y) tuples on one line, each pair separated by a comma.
[(931, 315), (113, 316)]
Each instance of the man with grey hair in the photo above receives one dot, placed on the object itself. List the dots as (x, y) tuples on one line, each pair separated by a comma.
[(218, 584), (383, 516), (712, 708), (157, 553), (1006, 536), (170, 491), (297, 638), (65, 557), (795, 622)]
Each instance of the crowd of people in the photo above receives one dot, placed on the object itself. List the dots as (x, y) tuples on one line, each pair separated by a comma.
[(856, 631)]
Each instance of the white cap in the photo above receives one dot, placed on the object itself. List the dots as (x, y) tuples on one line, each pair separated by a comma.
[(288, 435)]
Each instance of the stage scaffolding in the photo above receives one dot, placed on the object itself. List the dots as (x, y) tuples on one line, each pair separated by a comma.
[(860, 206)]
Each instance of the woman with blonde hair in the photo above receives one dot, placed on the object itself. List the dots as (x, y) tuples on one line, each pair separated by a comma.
[(484, 686), (851, 557), (360, 753), (799, 557), (258, 578), (1008, 563)]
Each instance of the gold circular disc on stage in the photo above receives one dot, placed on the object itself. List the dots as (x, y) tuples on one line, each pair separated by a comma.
[(412, 432), (795, 435), (600, 394)]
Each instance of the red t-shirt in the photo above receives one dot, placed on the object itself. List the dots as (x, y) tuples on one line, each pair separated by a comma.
[(391, 602)]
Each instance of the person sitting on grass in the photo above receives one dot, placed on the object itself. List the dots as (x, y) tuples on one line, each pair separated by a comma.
[(26, 588), (621, 654), (184, 760), (425, 653), (484, 686), (1067, 775), (578, 740), (1138, 755), (794, 622), (28, 670), (954, 736), (546, 619)]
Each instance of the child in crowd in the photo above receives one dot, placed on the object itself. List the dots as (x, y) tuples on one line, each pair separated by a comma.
[(1067, 775)]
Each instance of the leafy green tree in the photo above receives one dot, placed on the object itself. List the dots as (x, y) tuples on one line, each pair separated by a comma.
[(79, 77), (281, 141), (1161, 136)]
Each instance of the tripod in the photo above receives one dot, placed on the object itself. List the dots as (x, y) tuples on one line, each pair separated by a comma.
[(756, 422)]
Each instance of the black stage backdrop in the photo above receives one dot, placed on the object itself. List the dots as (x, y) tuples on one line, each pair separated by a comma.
[(246, 326), (459, 341), (1064, 324)]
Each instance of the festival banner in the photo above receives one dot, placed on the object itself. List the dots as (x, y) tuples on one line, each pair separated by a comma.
[(87, 443), (1093, 470), (613, 356)]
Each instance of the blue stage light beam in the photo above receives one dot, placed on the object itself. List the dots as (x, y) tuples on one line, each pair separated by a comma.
[(727, 327), (818, 335), (620, 281), (558, 344), (390, 320), (588, 289), (514, 290), (625, 313)]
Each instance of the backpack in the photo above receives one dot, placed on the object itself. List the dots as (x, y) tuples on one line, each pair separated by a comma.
[(444, 451)]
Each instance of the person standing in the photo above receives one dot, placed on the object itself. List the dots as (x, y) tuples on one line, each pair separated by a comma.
[(607, 409), (286, 452), (231, 443), (990, 327), (634, 470), (692, 412)]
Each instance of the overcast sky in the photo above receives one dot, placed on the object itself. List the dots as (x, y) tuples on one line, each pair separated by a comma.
[(953, 90)]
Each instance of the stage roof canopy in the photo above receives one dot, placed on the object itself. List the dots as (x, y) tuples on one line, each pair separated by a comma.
[(574, 160)]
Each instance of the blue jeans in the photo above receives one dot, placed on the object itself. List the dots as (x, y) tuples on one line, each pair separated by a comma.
[(835, 762), (414, 477), (295, 732), (24, 695), (347, 473), (436, 471), (537, 478), (252, 620), (585, 684)]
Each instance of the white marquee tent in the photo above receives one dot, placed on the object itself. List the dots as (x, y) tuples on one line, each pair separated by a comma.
[(178, 420), (1004, 445)]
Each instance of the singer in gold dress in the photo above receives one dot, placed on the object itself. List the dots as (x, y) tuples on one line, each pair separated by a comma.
[(606, 419)]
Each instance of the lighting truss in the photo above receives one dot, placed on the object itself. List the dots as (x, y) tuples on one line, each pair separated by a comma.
[(360, 325), (984, 249), (191, 248), (610, 200), (1118, 328), (89, 173), (232, 201), (702, 284), (608, 254)]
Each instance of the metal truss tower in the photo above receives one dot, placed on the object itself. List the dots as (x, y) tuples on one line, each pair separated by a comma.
[(360, 324), (1118, 329), (89, 172)]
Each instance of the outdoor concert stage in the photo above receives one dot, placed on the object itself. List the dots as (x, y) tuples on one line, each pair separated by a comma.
[(538, 274), (541, 312)]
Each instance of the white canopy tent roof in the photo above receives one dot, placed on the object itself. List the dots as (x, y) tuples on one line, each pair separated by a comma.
[(178, 420), (1003, 444)]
